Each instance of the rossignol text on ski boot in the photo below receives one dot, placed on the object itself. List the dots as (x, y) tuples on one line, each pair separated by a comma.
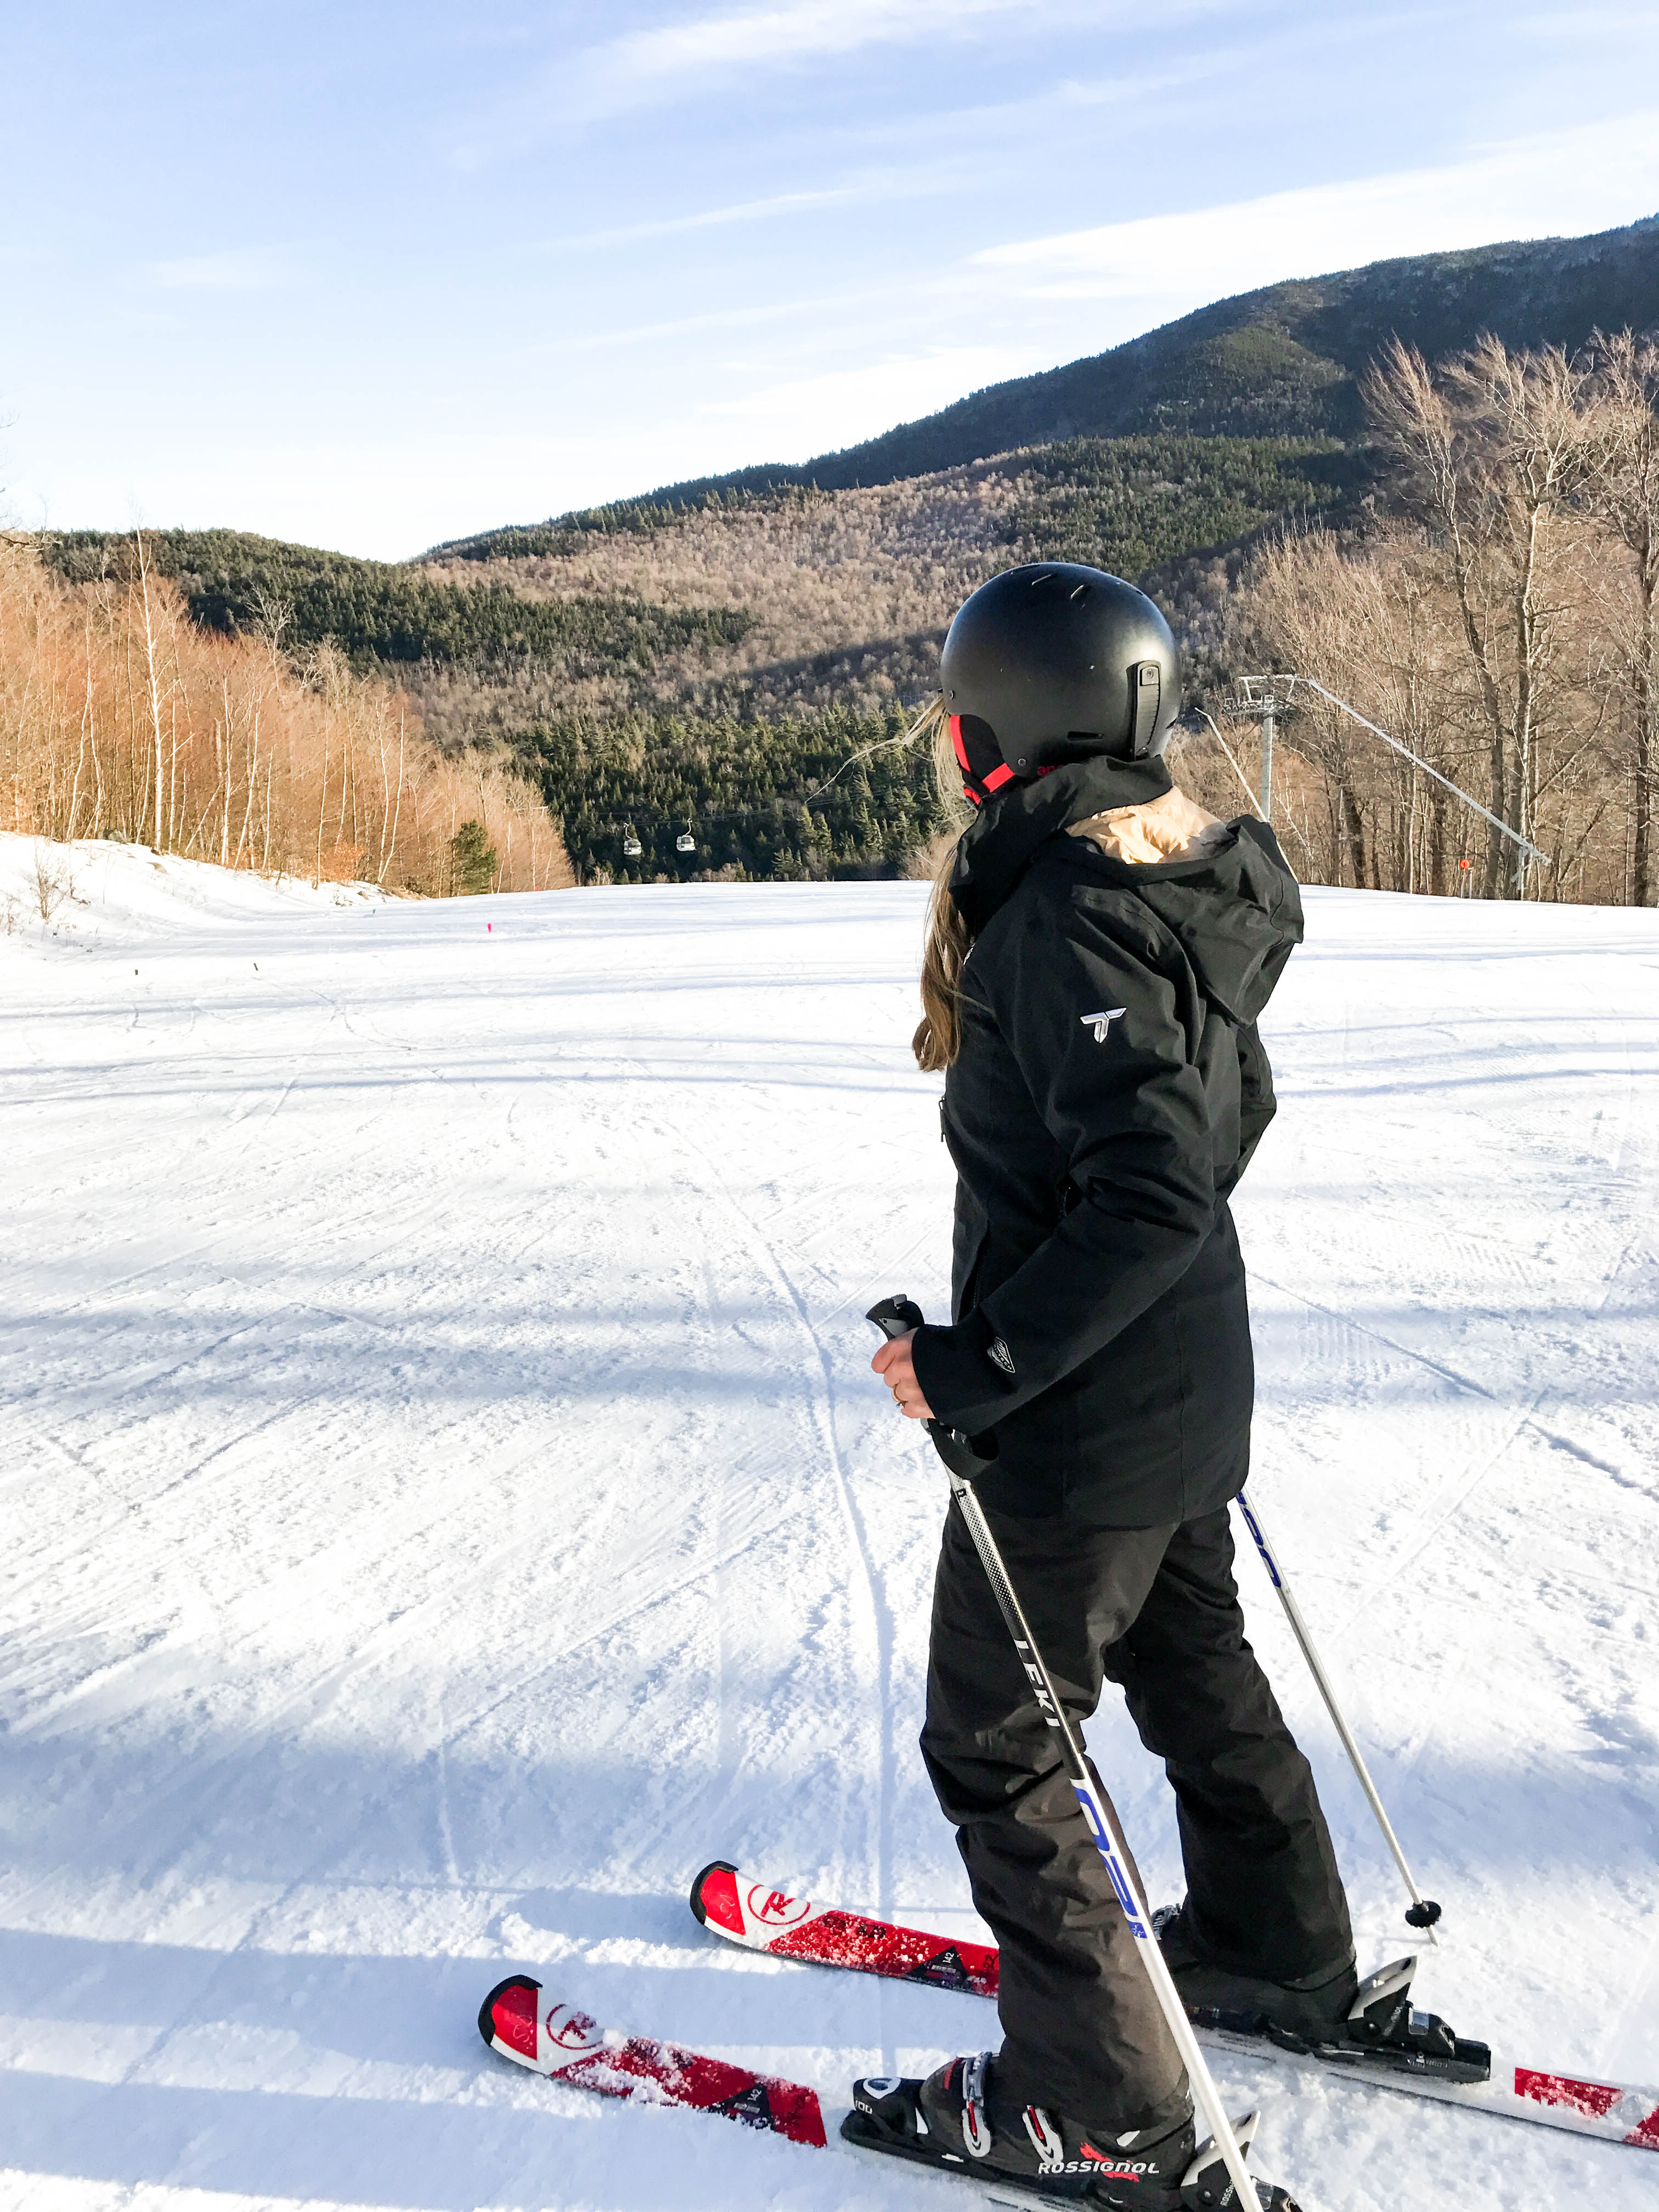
[(956, 2121)]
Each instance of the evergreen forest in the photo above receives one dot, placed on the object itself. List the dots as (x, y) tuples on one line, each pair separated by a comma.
[(832, 796), (381, 614)]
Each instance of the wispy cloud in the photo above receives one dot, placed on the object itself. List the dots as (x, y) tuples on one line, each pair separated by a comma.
[(1553, 183), (882, 178), (676, 61), (782, 204), (233, 269), (881, 186), (640, 66)]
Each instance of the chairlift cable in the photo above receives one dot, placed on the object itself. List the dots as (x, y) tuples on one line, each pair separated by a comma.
[(1457, 790), (1232, 761)]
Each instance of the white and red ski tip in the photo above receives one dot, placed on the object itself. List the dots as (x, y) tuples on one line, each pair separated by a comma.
[(764, 1917), (520, 2021)]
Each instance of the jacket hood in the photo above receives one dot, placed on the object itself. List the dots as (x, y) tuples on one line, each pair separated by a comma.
[(1005, 837), (1236, 911)]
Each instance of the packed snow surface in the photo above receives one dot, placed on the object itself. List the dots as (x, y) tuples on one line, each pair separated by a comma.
[(446, 1502)]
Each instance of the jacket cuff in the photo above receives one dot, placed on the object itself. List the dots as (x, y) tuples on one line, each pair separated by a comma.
[(958, 1377)]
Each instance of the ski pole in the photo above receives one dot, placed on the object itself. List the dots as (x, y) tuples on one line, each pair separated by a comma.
[(896, 1317), (1423, 1911)]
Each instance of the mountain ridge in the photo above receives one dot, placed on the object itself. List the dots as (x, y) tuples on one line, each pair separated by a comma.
[(1283, 360)]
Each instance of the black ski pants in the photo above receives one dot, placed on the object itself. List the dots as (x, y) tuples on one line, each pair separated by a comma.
[(1155, 1610)]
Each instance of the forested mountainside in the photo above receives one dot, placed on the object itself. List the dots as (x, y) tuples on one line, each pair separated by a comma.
[(846, 593), (699, 662), (793, 601), (1283, 362), (381, 613)]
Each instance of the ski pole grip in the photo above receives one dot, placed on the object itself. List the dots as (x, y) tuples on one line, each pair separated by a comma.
[(896, 1317)]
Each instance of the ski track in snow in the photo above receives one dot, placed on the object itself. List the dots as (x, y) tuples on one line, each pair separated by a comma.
[(448, 1504)]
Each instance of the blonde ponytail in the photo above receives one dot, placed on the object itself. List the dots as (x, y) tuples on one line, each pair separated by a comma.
[(938, 1033)]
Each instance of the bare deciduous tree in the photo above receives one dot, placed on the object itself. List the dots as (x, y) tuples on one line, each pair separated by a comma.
[(115, 708), (1500, 617), (54, 881), (1627, 499), (1496, 454)]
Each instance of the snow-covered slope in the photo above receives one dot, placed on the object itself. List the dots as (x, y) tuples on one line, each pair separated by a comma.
[(96, 894), (446, 1504)]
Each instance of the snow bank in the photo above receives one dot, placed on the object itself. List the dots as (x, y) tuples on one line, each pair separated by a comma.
[(447, 1504), (98, 893)]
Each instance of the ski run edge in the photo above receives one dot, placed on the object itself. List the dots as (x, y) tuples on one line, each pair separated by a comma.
[(762, 1916)]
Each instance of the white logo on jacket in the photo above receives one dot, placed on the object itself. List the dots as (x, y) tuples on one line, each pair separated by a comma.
[(1103, 1021)]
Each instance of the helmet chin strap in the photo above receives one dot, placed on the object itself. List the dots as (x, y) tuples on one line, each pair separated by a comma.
[(1145, 699), (977, 788)]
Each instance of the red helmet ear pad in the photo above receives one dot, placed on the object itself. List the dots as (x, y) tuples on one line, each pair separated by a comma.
[(984, 771)]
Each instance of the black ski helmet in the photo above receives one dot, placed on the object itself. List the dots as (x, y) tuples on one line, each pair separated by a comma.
[(1055, 662)]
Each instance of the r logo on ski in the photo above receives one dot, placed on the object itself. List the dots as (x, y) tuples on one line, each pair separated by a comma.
[(570, 2030), (773, 1909)]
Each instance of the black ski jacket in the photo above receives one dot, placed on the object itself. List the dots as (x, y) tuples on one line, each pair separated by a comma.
[(1109, 1089)]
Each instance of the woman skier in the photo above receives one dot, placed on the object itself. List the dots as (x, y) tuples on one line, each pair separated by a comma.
[(1097, 958)]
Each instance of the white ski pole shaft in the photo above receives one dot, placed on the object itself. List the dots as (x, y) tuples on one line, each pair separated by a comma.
[(896, 1317), (1423, 1911), (1095, 1812)]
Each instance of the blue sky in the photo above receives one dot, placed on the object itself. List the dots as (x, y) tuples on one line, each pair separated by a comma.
[(371, 277)]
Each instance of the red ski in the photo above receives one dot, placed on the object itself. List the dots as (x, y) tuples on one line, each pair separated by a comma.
[(763, 1918), (520, 2022)]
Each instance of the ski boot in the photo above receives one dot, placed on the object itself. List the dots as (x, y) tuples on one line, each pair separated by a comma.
[(1315, 2007), (957, 2121), (1332, 2015)]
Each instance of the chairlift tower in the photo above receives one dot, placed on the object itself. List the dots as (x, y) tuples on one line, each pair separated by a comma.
[(1264, 699)]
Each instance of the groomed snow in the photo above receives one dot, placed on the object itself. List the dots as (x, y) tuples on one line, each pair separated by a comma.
[(446, 1504)]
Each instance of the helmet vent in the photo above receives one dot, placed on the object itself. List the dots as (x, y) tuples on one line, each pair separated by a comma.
[(1081, 592)]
